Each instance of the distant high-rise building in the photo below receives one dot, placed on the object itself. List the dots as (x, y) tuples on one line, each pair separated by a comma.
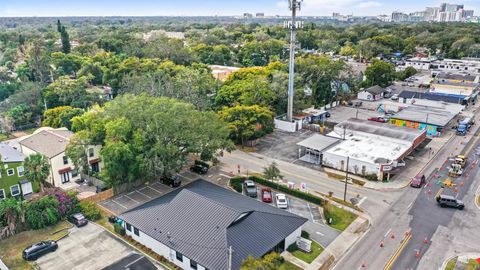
[(398, 16), (260, 15), (247, 15), (444, 13)]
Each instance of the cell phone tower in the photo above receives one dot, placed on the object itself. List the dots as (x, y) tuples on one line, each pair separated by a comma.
[(294, 5)]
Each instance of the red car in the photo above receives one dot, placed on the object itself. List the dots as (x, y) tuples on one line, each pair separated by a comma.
[(377, 119), (267, 195)]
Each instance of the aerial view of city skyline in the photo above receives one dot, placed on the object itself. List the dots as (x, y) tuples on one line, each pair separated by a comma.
[(12, 8)]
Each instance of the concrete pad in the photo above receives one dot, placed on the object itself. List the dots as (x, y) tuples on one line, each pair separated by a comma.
[(89, 247)]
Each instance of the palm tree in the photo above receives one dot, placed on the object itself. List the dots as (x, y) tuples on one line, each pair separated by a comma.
[(37, 169), (12, 213)]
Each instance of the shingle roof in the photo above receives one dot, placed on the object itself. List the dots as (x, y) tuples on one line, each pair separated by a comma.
[(456, 76), (202, 220), (9, 154), (48, 142)]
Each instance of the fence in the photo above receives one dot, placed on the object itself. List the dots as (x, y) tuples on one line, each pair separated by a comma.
[(107, 194), (128, 186)]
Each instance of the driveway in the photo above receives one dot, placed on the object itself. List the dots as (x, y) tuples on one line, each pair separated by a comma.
[(126, 201), (91, 247)]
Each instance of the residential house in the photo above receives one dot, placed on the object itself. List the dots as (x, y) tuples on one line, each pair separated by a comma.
[(205, 226), (52, 143), (371, 94), (12, 180)]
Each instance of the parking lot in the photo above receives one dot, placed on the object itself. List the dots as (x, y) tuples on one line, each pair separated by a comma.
[(342, 113), (91, 247), (318, 230), (282, 145), (126, 201)]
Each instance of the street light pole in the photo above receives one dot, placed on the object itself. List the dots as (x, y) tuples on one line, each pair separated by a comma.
[(346, 180)]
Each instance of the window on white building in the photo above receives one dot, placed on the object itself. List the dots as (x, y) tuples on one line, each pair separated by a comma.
[(65, 160), (20, 171), (129, 227), (136, 231), (91, 152), (10, 172), (2, 194), (193, 264), (179, 256), (15, 190)]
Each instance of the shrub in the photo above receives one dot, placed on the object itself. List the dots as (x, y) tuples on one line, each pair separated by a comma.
[(294, 192), (119, 229), (305, 235), (42, 212), (90, 210), (67, 202), (292, 248), (236, 183)]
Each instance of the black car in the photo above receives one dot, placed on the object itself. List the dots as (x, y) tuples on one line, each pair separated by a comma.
[(198, 168), (173, 181), (34, 251), (78, 219)]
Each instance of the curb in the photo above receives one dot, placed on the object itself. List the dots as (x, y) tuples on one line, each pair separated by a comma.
[(477, 198), (445, 262)]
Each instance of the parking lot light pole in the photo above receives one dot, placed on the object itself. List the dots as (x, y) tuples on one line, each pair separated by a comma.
[(346, 181)]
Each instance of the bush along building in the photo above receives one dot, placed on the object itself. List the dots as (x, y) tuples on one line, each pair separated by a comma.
[(12, 180)]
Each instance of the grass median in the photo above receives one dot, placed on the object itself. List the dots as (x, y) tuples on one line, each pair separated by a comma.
[(11, 248), (340, 218)]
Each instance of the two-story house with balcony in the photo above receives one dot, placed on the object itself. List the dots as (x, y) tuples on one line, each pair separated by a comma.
[(52, 143)]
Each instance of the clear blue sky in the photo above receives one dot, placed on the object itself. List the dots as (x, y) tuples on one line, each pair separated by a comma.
[(56, 8)]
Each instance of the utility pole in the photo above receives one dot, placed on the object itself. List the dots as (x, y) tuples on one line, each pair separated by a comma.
[(293, 5), (344, 132), (346, 181)]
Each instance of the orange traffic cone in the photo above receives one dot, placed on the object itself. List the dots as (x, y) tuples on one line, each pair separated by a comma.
[(461, 184), (364, 265), (425, 241), (393, 236), (429, 191), (455, 190), (381, 244), (407, 233), (417, 253)]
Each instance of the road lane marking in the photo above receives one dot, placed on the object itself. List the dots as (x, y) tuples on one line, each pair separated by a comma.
[(397, 252), (155, 189), (119, 204), (132, 198), (361, 201), (128, 265), (410, 205), (439, 192), (138, 191), (321, 234), (389, 230)]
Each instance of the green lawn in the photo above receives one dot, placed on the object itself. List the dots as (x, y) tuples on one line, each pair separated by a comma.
[(289, 266), (11, 248), (341, 218), (473, 265), (451, 264), (306, 257)]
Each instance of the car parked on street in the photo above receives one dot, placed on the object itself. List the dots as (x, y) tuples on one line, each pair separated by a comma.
[(281, 201), (78, 219), (450, 201), (378, 119), (198, 168), (34, 251), (173, 181), (418, 181), (267, 195), (250, 188)]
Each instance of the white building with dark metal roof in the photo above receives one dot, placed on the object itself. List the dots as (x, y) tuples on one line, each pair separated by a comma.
[(205, 226)]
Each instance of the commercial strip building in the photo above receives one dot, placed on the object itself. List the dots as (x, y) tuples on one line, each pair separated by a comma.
[(371, 148), (205, 226), (466, 65), (433, 120)]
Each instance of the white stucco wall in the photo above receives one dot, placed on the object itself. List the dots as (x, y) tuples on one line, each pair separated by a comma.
[(292, 238), (162, 249), (287, 126), (334, 161)]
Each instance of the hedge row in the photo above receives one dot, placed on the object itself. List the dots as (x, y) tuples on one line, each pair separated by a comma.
[(236, 183), (294, 192)]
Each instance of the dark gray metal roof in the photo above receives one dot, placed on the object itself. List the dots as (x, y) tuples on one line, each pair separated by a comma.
[(202, 220), (430, 96)]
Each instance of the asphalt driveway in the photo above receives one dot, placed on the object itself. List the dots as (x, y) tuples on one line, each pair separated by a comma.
[(91, 247)]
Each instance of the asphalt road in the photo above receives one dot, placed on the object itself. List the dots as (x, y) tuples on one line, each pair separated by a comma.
[(132, 262), (427, 216), (415, 211)]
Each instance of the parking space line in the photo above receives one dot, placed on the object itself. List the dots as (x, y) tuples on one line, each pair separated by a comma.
[(155, 189), (128, 265), (119, 204), (321, 234), (310, 211), (188, 178), (224, 175), (131, 198), (138, 191)]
